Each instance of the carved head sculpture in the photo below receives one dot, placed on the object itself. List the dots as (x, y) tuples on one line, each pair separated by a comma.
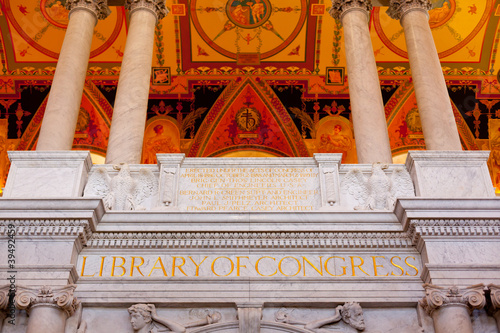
[(352, 314), (140, 316)]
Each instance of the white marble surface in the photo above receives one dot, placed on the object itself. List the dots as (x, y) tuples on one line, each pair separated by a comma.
[(436, 114), (129, 114), (63, 106), (368, 115), (47, 174), (450, 174)]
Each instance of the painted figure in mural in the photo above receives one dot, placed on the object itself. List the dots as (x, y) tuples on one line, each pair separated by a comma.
[(247, 12), (143, 318), (335, 142), (159, 143)]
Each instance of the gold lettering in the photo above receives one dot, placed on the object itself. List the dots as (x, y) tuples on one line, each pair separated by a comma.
[(197, 265), (113, 266), (343, 267), (161, 267), (132, 266), (238, 265), (257, 266), (396, 265), (375, 265), (304, 259), (213, 265), (102, 266), (174, 266), (298, 263), (83, 268), (410, 265), (358, 266)]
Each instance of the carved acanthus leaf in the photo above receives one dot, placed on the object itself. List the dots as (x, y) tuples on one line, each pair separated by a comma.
[(339, 7), (436, 297), (61, 297), (98, 7), (156, 6), (397, 8)]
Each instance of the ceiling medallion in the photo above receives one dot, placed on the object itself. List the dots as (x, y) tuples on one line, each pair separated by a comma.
[(248, 14)]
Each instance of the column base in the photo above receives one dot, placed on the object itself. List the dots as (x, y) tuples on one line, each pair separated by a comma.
[(47, 174), (450, 174)]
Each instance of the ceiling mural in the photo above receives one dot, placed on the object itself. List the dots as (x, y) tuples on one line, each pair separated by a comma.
[(250, 78)]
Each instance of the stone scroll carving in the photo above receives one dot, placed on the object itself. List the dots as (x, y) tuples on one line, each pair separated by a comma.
[(144, 319), (436, 297), (157, 7), (75, 324), (377, 192), (339, 7), (350, 313), (122, 192), (494, 299), (331, 196), (63, 298)]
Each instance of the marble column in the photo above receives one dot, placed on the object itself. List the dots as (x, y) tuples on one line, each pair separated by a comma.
[(129, 115), (48, 307), (450, 308), (63, 106), (367, 106), (494, 304), (436, 114)]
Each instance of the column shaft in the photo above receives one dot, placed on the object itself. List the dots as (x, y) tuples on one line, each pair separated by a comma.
[(452, 319), (61, 113), (46, 319), (438, 122), (129, 115), (367, 107)]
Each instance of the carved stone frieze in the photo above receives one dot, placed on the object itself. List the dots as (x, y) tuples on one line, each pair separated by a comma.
[(98, 7), (350, 313), (398, 8), (143, 318), (157, 7), (251, 239), (339, 7), (60, 297), (437, 297)]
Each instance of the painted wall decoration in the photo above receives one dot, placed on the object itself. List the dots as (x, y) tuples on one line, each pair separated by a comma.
[(250, 78)]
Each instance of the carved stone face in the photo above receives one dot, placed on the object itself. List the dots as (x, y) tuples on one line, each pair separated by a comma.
[(355, 318), (137, 320)]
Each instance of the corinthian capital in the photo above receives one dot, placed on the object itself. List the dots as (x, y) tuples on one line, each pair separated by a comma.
[(157, 7), (98, 7), (62, 298), (437, 297), (4, 297), (398, 8), (339, 7)]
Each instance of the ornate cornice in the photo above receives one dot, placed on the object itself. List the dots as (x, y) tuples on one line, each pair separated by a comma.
[(79, 229), (250, 239), (398, 8), (340, 7), (419, 228), (494, 304), (98, 7), (157, 7), (59, 297), (437, 297)]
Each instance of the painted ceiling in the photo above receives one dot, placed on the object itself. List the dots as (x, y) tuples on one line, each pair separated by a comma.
[(250, 78)]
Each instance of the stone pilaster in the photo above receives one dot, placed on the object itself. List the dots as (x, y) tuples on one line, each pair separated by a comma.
[(48, 307), (436, 114), (129, 115), (494, 302), (368, 115), (450, 308), (63, 106)]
